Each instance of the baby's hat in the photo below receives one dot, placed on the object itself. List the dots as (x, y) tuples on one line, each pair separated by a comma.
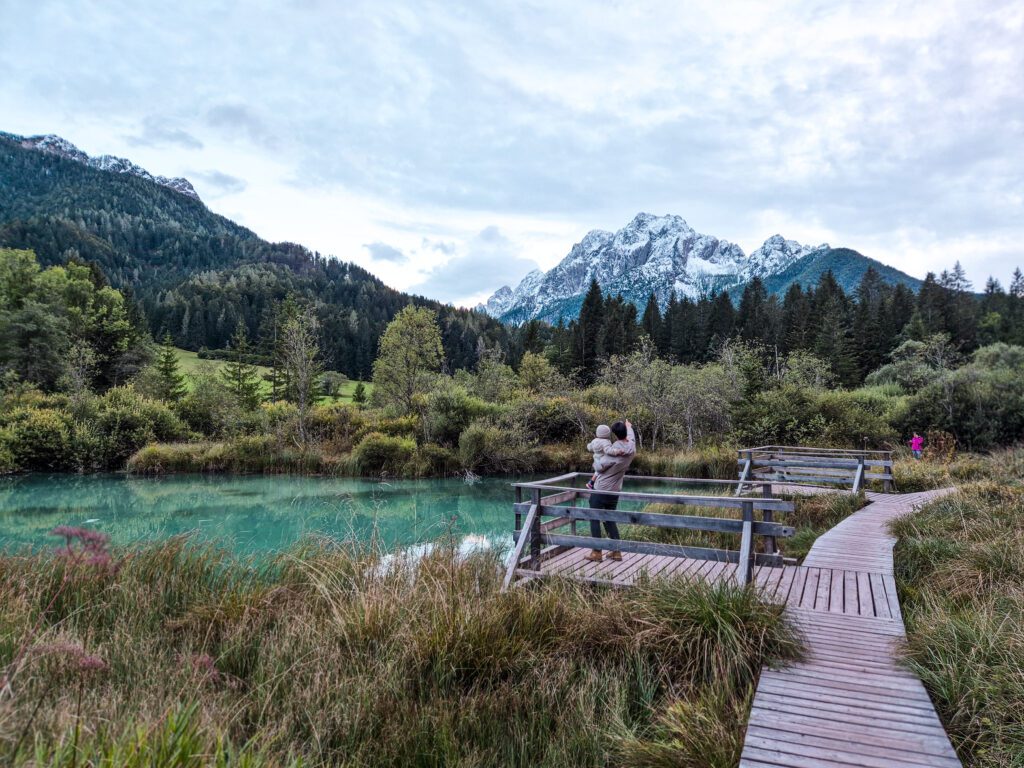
[(604, 431)]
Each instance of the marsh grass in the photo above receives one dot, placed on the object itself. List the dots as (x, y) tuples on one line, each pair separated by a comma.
[(960, 571), (328, 655)]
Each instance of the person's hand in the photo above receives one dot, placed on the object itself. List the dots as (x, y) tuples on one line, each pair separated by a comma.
[(629, 423)]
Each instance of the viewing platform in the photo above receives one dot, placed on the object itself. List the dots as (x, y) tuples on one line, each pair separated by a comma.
[(848, 702)]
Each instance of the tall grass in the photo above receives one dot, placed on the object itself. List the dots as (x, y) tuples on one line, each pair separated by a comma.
[(960, 571), (330, 656)]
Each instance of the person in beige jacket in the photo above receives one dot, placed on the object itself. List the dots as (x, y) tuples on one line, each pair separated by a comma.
[(611, 467)]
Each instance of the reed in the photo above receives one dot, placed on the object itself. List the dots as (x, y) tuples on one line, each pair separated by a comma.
[(331, 655)]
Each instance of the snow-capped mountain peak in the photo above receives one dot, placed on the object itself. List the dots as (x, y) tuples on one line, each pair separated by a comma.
[(775, 255), (57, 145), (659, 254)]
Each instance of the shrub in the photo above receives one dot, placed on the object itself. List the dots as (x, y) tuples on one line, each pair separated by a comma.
[(125, 422), (796, 416), (448, 409), (336, 426), (41, 440), (379, 453), (981, 407), (7, 462), (209, 408), (555, 419), (485, 447), (433, 461)]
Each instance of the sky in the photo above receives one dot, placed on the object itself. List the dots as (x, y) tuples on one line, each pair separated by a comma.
[(451, 147)]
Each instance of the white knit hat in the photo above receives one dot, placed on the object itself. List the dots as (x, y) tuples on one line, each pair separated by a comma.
[(604, 431)]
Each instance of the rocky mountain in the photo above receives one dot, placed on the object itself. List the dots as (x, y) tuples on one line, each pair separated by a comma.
[(665, 255), (55, 145)]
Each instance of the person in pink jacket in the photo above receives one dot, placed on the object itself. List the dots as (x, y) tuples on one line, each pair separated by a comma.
[(916, 445)]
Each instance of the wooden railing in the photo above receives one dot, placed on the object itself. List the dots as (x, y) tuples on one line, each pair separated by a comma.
[(804, 465), (545, 508)]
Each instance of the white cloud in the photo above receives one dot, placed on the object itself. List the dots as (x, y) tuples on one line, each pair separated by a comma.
[(890, 128)]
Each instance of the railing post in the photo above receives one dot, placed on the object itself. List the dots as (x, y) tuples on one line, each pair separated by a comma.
[(858, 478), (535, 529), (745, 567), (519, 517), (768, 515)]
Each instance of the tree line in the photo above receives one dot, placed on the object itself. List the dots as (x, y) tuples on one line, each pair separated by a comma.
[(855, 333)]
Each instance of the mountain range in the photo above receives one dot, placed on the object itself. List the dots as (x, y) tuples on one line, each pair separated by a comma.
[(55, 145), (194, 274), (665, 255)]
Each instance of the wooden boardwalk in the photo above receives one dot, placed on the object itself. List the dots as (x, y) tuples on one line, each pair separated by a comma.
[(848, 702)]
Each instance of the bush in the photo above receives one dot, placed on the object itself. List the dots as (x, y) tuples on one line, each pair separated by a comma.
[(379, 453), (449, 409), (796, 416), (982, 407), (336, 426), (41, 440), (7, 462), (125, 422), (487, 448), (433, 461), (209, 408), (558, 419)]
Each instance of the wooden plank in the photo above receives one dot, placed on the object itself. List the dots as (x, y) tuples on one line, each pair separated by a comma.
[(881, 604), (517, 553), (642, 547), (779, 505), (746, 560), (661, 520)]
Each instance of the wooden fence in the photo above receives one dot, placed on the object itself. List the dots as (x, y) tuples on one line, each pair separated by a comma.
[(544, 509), (799, 464)]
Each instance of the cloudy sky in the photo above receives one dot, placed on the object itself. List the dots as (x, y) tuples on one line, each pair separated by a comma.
[(451, 147)]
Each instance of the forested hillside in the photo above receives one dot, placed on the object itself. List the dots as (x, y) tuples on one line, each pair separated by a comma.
[(196, 274)]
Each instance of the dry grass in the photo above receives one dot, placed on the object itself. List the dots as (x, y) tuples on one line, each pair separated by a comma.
[(960, 570), (327, 656)]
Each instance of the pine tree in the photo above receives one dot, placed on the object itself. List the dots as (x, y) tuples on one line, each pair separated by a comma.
[(587, 339), (721, 323), (753, 320), (170, 381), (359, 393), (239, 375), (795, 333), (652, 323)]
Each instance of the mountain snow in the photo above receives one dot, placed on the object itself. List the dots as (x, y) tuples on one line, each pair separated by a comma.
[(55, 145), (660, 254)]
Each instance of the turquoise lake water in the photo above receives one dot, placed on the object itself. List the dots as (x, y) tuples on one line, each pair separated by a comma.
[(256, 514)]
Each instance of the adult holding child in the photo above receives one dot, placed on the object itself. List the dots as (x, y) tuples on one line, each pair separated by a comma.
[(610, 466)]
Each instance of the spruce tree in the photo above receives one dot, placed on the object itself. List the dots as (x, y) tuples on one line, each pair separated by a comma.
[(652, 323), (170, 380), (588, 341), (359, 393), (241, 377)]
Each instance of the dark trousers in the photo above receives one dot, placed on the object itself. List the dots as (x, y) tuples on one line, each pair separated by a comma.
[(604, 501)]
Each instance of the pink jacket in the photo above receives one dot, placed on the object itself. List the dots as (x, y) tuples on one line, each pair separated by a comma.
[(916, 443)]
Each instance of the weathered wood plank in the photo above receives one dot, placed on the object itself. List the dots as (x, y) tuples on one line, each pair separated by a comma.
[(661, 520)]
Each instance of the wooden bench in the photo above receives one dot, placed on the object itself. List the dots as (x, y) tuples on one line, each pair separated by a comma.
[(544, 509)]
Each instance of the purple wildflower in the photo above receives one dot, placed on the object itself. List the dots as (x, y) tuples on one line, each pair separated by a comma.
[(91, 550)]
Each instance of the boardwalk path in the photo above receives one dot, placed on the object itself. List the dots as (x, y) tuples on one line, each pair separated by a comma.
[(848, 703)]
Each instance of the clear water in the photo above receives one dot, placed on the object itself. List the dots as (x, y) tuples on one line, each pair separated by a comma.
[(255, 514)]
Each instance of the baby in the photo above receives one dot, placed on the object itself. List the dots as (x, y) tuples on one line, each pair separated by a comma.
[(597, 447)]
